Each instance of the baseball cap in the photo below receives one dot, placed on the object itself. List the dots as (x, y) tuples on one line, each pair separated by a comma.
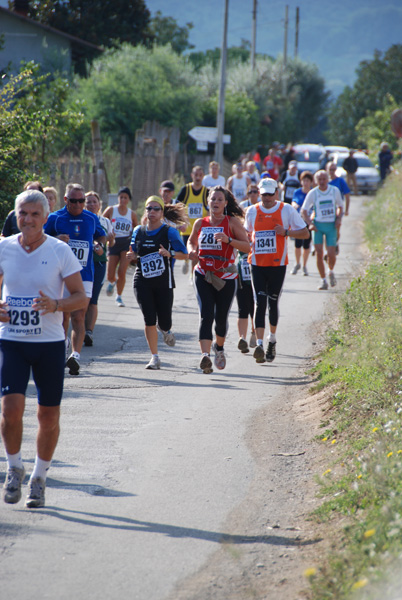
[(293, 163), (167, 185), (268, 186)]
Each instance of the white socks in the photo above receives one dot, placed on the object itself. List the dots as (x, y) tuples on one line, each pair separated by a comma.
[(272, 338), (14, 460), (41, 467)]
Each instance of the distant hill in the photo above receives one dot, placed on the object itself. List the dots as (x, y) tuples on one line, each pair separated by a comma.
[(334, 35)]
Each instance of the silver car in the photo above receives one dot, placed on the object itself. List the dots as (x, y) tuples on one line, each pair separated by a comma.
[(367, 177), (308, 157)]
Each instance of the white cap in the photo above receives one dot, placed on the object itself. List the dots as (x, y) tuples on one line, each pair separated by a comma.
[(268, 186)]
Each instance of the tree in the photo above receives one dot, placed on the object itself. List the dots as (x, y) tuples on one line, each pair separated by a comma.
[(130, 85), (34, 122), (235, 55), (165, 30), (375, 79), (375, 127), (103, 23)]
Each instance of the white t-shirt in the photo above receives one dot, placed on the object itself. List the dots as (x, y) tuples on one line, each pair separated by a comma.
[(24, 274), (290, 217), (106, 224), (209, 181), (239, 187), (323, 203)]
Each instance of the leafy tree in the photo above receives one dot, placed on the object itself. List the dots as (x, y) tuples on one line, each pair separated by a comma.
[(375, 127), (165, 30), (102, 23), (375, 79), (33, 123), (130, 85), (235, 55)]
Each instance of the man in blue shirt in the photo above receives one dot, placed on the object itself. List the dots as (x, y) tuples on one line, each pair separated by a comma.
[(340, 183), (79, 229)]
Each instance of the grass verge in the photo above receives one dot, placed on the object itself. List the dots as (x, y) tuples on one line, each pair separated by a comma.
[(362, 370)]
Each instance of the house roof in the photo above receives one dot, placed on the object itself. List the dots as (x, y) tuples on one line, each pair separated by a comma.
[(72, 38)]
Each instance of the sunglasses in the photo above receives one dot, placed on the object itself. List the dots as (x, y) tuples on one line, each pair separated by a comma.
[(75, 200), (266, 194), (148, 208), (253, 192)]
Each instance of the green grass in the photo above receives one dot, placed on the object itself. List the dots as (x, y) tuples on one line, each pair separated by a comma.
[(361, 369)]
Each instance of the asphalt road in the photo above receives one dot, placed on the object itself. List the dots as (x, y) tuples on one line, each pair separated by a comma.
[(150, 464)]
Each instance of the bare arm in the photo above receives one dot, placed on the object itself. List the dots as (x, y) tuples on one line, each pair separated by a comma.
[(75, 301), (192, 243), (239, 240)]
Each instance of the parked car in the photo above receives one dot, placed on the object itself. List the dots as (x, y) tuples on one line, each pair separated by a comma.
[(308, 156), (337, 148), (367, 177)]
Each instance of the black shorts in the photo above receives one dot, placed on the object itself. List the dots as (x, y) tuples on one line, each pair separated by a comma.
[(99, 278), (304, 243), (47, 362), (121, 244), (156, 304), (245, 301)]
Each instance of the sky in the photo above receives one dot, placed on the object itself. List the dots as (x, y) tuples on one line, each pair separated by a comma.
[(334, 35)]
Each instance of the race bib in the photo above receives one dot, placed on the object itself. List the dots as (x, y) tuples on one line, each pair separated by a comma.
[(195, 211), (81, 250), (122, 227), (23, 319), (245, 269), (207, 240), (265, 242), (152, 265), (325, 211)]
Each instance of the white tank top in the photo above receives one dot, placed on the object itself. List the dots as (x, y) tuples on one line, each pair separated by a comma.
[(122, 224), (239, 188)]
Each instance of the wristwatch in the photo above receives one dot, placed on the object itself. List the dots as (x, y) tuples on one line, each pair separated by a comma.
[(286, 232), (172, 253), (229, 240)]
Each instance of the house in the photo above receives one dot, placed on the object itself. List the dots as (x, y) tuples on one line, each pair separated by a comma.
[(23, 39)]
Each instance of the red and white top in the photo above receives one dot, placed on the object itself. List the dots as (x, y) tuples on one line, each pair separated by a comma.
[(214, 255)]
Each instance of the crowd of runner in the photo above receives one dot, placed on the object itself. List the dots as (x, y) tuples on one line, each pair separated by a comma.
[(231, 237)]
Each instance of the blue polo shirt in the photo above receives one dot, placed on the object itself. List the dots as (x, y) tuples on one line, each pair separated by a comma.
[(341, 184), (82, 230)]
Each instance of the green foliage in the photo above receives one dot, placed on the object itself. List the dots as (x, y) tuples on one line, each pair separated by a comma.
[(362, 368), (212, 57), (375, 127), (101, 24), (34, 125), (130, 85), (165, 30), (377, 80)]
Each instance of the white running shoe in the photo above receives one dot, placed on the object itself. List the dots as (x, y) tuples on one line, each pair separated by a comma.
[(185, 267), (220, 358), (295, 269), (154, 363), (253, 340), (12, 485), (119, 301), (168, 337), (332, 279), (323, 285), (36, 493), (73, 364), (206, 364), (305, 272)]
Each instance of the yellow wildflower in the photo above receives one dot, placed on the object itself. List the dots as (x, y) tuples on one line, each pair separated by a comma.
[(369, 533), (359, 584)]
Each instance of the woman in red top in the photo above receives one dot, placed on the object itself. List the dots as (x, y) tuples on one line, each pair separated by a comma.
[(213, 242)]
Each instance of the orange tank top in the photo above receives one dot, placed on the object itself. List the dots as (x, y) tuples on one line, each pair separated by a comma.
[(267, 248)]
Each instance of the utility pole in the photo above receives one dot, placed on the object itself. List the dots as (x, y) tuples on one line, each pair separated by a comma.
[(297, 31), (254, 35), (285, 51), (220, 117)]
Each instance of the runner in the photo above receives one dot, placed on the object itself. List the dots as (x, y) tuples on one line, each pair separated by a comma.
[(299, 196), (213, 178), (33, 268), (194, 196), (93, 205), (10, 226), (52, 197), (238, 183), (154, 244), (340, 183), (79, 229), (269, 223), (212, 243), (166, 192), (289, 182), (123, 220), (326, 202)]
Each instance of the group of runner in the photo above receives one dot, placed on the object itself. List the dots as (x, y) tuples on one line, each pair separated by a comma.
[(53, 266)]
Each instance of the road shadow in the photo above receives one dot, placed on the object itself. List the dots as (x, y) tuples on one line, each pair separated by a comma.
[(127, 524)]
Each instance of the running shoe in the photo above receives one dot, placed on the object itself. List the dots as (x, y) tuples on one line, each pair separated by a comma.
[(89, 338), (110, 289), (168, 337), (305, 272), (185, 267), (259, 354), (323, 286), (12, 485), (243, 346), (271, 352), (206, 364), (253, 340), (220, 358), (36, 493), (119, 301), (154, 363), (295, 269), (73, 364), (332, 279)]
